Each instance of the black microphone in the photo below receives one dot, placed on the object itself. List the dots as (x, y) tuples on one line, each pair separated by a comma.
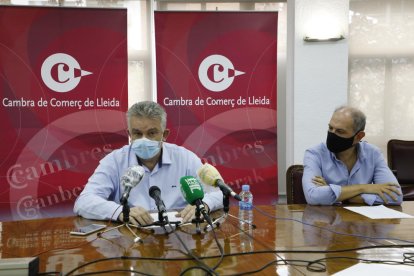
[(226, 189), (209, 175), (155, 193), (129, 180)]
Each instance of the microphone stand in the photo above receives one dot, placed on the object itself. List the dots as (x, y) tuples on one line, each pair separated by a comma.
[(161, 218), (197, 220), (226, 208), (226, 203), (162, 221), (125, 213)]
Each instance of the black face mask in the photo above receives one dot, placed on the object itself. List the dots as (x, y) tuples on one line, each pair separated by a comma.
[(337, 144)]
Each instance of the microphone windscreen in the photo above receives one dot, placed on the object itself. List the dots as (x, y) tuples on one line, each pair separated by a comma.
[(191, 189), (154, 191), (132, 176), (208, 174)]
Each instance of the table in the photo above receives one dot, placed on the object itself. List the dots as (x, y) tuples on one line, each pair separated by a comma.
[(286, 232)]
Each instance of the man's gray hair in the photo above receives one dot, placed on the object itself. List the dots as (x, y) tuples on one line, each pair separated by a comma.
[(358, 117), (148, 109)]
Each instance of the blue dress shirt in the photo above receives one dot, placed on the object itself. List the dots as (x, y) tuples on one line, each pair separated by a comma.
[(370, 168), (100, 198)]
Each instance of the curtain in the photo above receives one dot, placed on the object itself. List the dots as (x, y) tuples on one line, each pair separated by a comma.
[(381, 67)]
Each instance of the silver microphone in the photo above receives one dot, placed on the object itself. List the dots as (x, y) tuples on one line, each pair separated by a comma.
[(130, 179)]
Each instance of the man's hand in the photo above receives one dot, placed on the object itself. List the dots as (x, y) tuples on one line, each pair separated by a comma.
[(188, 213), (319, 180), (138, 216), (391, 189)]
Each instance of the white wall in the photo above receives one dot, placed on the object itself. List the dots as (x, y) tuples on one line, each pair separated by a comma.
[(317, 77)]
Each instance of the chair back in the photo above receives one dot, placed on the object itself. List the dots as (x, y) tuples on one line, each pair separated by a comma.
[(400, 156), (294, 190)]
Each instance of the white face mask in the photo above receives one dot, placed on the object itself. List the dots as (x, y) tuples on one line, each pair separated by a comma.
[(145, 148)]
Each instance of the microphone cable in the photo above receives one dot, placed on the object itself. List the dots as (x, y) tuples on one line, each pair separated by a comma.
[(221, 256), (202, 265), (316, 265)]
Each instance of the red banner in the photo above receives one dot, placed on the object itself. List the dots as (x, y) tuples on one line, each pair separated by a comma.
[(63, 81), (216, 77)]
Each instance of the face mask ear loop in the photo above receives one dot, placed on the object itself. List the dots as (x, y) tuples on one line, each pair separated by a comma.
[(358, 131)]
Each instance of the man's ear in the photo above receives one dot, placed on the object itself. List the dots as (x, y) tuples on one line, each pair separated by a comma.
[(360, 135), (165, 134), (129, 135)]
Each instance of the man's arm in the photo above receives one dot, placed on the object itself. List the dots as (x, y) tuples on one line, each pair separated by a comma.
[(100, 197), (353, 193), (386, 189), (317, 193), (382, 174), (388, 192), (93, 202)]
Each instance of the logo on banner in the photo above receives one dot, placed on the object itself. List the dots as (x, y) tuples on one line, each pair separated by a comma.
[(61, 72), (216, 73)]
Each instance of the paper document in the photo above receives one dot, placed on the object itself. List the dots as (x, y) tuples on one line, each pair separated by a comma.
[(171, 216), (378, 212), (377, 270)]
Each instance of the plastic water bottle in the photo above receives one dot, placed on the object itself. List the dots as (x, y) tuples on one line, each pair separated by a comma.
[(246, 205), (245, 219)]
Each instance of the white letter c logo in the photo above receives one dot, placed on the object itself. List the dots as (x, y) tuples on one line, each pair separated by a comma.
[(222, 74)]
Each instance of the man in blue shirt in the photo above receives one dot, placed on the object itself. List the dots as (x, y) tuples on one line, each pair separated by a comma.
[(164, 165), (346, 169)]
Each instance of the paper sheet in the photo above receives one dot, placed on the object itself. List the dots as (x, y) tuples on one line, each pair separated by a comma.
[(171, 216), (378, 212), (377, 270)]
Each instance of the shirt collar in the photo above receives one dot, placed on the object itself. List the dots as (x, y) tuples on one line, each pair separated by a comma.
[(165, 155), (360, 149)]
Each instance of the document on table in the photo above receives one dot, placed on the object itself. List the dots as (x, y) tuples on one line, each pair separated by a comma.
[(171, 216), (377, 270), (378, 212)]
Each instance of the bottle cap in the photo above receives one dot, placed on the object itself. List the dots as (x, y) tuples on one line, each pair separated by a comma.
[(245, 187)]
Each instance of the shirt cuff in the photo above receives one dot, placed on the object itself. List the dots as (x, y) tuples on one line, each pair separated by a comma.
[(116, 214), (369, 199), (209, 203), (336, 189)]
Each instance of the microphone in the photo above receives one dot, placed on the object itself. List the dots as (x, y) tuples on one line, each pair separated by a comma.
[(193, 194), (155, 193), (210, 176), (129, 180)]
